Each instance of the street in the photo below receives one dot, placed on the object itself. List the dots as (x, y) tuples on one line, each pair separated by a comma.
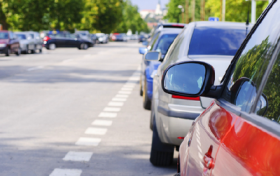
[(75, 112)]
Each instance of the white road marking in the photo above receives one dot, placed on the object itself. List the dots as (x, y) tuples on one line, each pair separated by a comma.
[(115, 103), (98, 131), (35, 68), (66, 172), (102, 122), (119, 99), (198, 141), (121, 96), (77, 156), (197, 135), (198, 147), (88, 141), (200, 156), (112, 109), (127, 88), (134, 78), (107, 114), (124, 92)]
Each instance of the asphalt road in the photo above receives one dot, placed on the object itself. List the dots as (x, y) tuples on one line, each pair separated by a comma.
[(71, 112)]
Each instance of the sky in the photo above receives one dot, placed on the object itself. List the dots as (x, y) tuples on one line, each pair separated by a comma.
[(148, 4)]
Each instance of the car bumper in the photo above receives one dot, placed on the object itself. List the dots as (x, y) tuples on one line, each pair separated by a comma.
[(175, 121), (3, 50)]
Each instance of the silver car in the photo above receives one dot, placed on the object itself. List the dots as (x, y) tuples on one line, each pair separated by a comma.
[(37, 41), (171, 116), (26, 42)]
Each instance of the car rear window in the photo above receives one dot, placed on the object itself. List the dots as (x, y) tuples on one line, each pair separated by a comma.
[(21, 36), (4, 35), (216, 41), (164, 42)]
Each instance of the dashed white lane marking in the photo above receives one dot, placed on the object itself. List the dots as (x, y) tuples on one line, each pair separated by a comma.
[(121, 96), (107, 114), (98, 131), (78, 156), (198, 141), (197, 135), (35, 68), (124, 92), (115, 103), (198, 147), (102, 122), (88, 141), (127, 88), (200, 156), (129, 85), (66, 172), (112, 109), (119, 99)]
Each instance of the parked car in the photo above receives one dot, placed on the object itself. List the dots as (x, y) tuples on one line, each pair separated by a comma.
[(94, 39), (121, 37), (30, 41), (142, 38), (172, 115), (102, 38), (239, 133), (9, 43), (161, 43), (52, 41)]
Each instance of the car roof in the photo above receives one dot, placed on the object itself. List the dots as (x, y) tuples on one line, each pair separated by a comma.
[(171, 31), (220, 24)]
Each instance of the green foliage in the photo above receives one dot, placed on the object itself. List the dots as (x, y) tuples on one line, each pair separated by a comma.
[(236, 10), (93, 15), (131, 19)]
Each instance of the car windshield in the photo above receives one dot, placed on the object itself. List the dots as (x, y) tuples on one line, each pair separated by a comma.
[(216, 41), (164, 42), (4, 35), (21, 36)]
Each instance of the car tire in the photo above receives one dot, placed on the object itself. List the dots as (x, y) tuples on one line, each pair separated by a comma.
[(34, 50), (161, 154), (18, 52), (40, 50), (85, 47), (52, 46), (8, 52), (141, 89), (146, 100)]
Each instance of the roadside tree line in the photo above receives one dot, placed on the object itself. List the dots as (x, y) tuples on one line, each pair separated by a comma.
[(94, 15), (201, 10)]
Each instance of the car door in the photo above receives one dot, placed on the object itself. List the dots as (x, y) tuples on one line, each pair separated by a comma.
[(251, 146), (13, 42)]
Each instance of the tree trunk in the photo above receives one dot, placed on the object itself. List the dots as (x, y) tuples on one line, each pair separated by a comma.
[(193, 10), (187, 11), (202, 10)]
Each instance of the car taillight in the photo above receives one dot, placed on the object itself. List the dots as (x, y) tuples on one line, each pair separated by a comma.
[(46, 38), (186, 98)]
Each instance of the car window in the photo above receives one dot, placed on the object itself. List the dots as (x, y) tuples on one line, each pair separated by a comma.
[(216, 41), (21, 36), (153, 42), (32, 36), (4, 35), (164, 42), (249, 69)]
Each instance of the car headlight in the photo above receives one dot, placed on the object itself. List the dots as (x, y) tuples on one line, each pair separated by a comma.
[(2, 45)]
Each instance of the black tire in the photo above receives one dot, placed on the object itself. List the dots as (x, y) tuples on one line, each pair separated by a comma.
[(85, 47), (141, 88), (146, 100), (8, 52), (18, 52), (40, 50), (161, 154), (34, 50), (152, 117), (52, 46)]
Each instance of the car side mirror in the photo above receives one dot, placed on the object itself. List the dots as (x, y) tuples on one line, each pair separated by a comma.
[(142, 50), (145, 43), (190, 78), (152, 56)]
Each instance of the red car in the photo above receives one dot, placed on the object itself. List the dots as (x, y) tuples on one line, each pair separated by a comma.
[(9, 43), (239, 133)]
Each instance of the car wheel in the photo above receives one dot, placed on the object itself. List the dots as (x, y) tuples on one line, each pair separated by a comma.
[(161, 154), (18, 52), (34, 50), (146, 100), (141, 89), (85, 47), (52, 46), (8, 52), (40, 50)]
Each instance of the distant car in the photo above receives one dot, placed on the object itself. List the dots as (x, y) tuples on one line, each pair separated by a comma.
[(214, 43), (30, 41), (52, 41), (161, 44), (102, 38), (9, 43), (142, 38), (94, 38), (121, 37)]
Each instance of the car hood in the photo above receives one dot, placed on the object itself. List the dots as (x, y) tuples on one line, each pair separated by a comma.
[(220, 64), (4, 40)]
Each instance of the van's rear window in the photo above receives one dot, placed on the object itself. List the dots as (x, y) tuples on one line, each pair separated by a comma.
[(216, 41)]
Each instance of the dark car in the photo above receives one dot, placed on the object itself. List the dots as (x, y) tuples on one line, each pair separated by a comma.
[(9, 43), (239, 133), (52, 41), (121, 37), (142, 38)]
